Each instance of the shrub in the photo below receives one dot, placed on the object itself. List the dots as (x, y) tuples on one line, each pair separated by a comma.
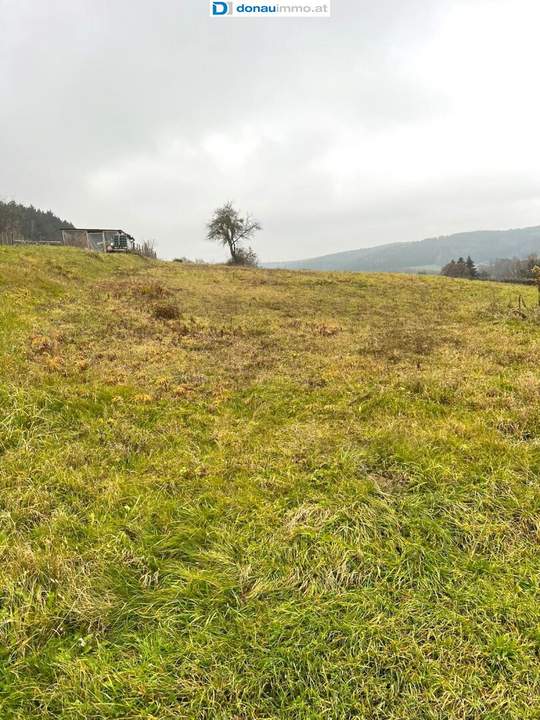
[(244, 256), (166, 311), (151, 290)]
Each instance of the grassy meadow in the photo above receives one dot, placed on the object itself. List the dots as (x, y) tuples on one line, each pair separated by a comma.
[(237, 494)]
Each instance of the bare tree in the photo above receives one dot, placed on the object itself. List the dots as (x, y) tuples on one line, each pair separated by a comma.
[(232, 230)]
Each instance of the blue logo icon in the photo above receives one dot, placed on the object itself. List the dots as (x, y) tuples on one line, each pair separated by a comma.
[(221, 8)]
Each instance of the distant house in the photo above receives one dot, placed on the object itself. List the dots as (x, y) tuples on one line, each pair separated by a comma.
[(98, 239)]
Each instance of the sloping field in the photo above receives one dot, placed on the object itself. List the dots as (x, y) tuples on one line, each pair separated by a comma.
[(249, 494)]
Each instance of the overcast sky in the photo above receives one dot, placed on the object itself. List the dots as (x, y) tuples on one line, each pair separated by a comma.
[(393, 120)]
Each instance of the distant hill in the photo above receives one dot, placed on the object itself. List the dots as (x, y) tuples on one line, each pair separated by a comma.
[(20, 222), (430, 254)]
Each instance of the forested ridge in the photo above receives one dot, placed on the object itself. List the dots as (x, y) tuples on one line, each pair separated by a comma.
[(26, 223)]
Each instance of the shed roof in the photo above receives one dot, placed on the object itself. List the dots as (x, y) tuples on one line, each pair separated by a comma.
[(98, 230)]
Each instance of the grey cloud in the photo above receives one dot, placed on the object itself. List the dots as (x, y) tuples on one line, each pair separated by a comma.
[(148, 115)]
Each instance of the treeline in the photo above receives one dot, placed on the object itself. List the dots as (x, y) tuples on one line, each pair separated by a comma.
[(512, 268), (506, 269), (19, 223)]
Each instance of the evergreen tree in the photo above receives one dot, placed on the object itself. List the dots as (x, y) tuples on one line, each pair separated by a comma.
[(471, 268), (461, 268)]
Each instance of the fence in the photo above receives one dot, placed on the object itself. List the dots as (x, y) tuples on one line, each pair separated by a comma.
[(11, 237)]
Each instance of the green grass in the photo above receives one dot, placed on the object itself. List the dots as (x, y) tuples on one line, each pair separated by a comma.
[(253, 494)]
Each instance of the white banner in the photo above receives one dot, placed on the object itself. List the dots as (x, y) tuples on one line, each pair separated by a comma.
[(302, 9)]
